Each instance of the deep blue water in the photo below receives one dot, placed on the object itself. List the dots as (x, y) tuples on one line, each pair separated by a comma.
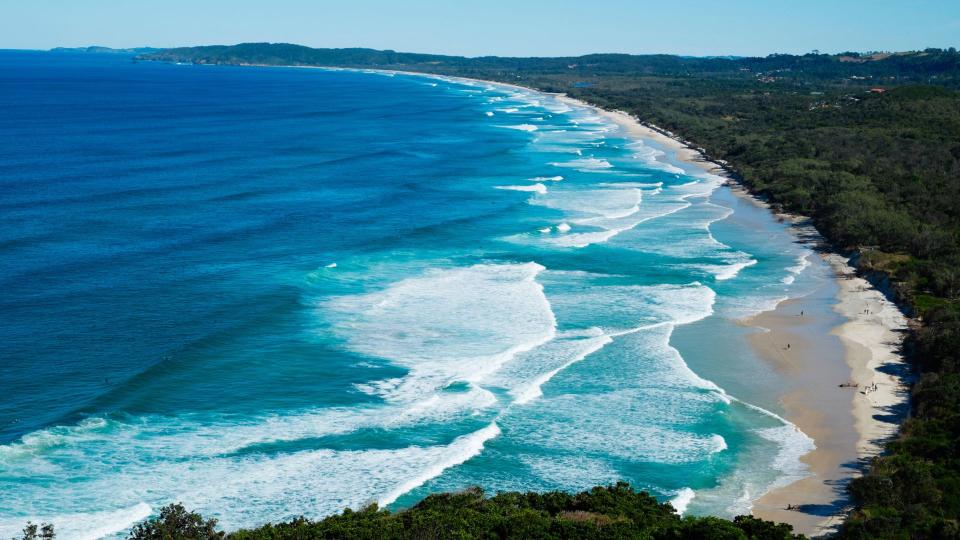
[(273, 292)]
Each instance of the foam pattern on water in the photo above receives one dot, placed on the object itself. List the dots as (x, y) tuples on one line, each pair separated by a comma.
[(502, 318)]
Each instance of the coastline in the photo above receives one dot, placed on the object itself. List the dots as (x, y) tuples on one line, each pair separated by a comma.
[(868, 339), (873, 393), (847, 423)]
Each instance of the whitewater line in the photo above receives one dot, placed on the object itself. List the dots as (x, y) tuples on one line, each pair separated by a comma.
[(716, 184), (469, 446)]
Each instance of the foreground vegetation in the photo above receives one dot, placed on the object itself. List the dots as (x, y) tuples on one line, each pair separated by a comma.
[(867, 145), (603, 512)]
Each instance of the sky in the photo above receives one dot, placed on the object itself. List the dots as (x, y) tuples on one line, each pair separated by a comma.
[(492, 27)]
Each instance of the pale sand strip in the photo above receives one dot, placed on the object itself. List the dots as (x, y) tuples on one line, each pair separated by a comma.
[(873, 336), (848, 424), (871, 339), (818, 406)]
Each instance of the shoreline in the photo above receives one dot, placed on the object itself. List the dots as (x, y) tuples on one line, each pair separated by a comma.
[(869, 341), (843, 442)]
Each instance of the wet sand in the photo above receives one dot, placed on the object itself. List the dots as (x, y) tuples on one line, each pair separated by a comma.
[(847, 422), (815, 366), (845, 388)]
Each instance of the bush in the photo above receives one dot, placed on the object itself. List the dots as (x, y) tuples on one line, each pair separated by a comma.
[(613, 512), (176, 523)]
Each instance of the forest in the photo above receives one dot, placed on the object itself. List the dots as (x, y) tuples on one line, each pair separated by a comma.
[(608, 512), (865, 144)]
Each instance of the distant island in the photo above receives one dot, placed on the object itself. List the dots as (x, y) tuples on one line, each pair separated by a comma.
[(865, 144), (101, 50)]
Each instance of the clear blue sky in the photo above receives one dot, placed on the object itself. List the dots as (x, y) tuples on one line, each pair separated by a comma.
[(478, 27)]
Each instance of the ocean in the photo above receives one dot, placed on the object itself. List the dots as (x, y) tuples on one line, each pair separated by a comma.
[(273, 292)]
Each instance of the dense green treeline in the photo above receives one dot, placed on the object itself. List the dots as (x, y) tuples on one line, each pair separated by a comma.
[(943, 66), (867, 145), (604, 512), (612, 512)]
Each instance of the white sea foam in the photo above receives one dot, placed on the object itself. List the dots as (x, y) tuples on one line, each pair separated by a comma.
[(724, 272), (547, 179), (720, 444), (242, 491), (792, 444), (582, 240), (151, 437), (83, 526), (803, 262), (702, 187), (522, 127), (572, 137), (331, 265), (607, 211), (606, 203), (608, 228), (652, 157), (480, 325), (682, 500), (626, 432), (461, 450), (742, 307), (688, 242), (585, 164), (569, 472), (623, 309), (615, 418), (536, 188), (584, 347), (628, 310), (489, 113), (557, 107), (637, 185), (447, 325)]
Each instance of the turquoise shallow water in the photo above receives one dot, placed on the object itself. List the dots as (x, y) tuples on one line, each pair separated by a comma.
[(275, 292)]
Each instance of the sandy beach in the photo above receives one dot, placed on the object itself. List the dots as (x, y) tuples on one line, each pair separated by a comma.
[(846, 389), (868, 385)]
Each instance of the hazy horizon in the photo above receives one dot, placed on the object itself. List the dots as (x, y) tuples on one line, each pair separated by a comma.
[(890, 51), (496, 28)]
